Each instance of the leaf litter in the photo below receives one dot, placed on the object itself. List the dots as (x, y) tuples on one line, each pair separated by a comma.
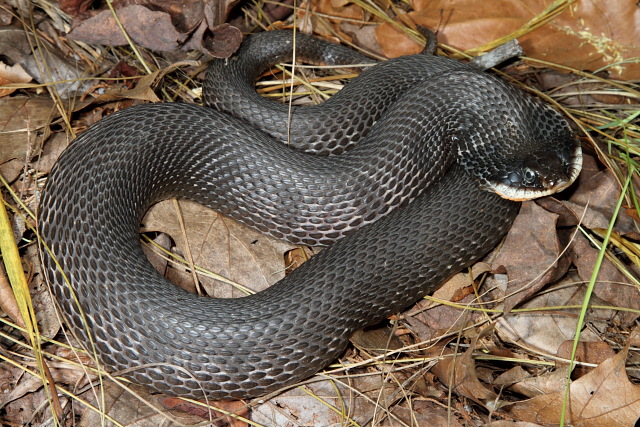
[(492, 344)]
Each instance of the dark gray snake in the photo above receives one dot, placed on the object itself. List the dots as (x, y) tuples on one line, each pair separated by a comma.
[(402, 125)]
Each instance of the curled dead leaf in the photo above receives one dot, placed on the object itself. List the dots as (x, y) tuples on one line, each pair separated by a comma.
[(21, 121), (603, 397), (147, 28), (12, 74), (538, 327), (459, 373), (168, 26), (219, 245), (531, 254)]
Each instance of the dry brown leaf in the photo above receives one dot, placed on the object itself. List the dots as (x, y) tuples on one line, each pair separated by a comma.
[(65, 73), (186, 15), (131, 411), (379, 340), (426, 413), (142, 91), (541, 383), (509, 423), (220, 245), (24, 400), (429, 319), (595, 196), (575, 90), (376, 340), (50, 153), (163, 26), (21, 119), (12, 170), (45, 62), (220, 42), (6, 16), (589, 35), (325, 17), (586, 352), (236, 407), (435, 321), (296, 257), (157, 258), (603, 397), (546, 330), (514, 375), (8, 302), (461, 284), (612, 287), (459, 374), (12, 74), (75, 7), (363, 37), (328, 403), (48, 320), (147, 28), (531, 254), (221, 10), (9, 377)]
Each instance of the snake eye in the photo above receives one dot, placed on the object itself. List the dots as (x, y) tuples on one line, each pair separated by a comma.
[(529, 176)]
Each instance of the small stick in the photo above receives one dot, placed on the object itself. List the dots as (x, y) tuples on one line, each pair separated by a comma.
[(498, 55)]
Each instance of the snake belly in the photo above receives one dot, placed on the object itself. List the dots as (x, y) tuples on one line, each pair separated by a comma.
[(182, 344)]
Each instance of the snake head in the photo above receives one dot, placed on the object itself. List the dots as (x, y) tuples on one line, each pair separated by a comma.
[(539, 174), (518, 147)]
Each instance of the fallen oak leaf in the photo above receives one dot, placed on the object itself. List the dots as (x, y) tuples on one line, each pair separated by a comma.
[(150, 29), (217, 411), (12, 74), (537, 327), (532, 254), (220, 245), (595, 195), (594, 352), (459, 374), (603, 397), (432, 317), (155, 29), (22, 119), (612, 286), (132, 406)]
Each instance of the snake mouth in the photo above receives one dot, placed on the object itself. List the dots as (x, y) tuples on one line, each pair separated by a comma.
[(540, 175)]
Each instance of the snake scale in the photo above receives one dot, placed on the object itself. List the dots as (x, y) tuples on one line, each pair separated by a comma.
[(428, 135)]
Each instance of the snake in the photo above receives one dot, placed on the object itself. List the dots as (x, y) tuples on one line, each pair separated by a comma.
[(410, 173)]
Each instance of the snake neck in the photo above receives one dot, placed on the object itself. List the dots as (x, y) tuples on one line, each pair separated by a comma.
[(489, 115)]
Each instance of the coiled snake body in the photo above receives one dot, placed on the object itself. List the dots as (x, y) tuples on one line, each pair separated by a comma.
[(403, 125)]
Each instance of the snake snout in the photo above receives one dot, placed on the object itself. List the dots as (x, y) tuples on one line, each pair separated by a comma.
[(550, 171)]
